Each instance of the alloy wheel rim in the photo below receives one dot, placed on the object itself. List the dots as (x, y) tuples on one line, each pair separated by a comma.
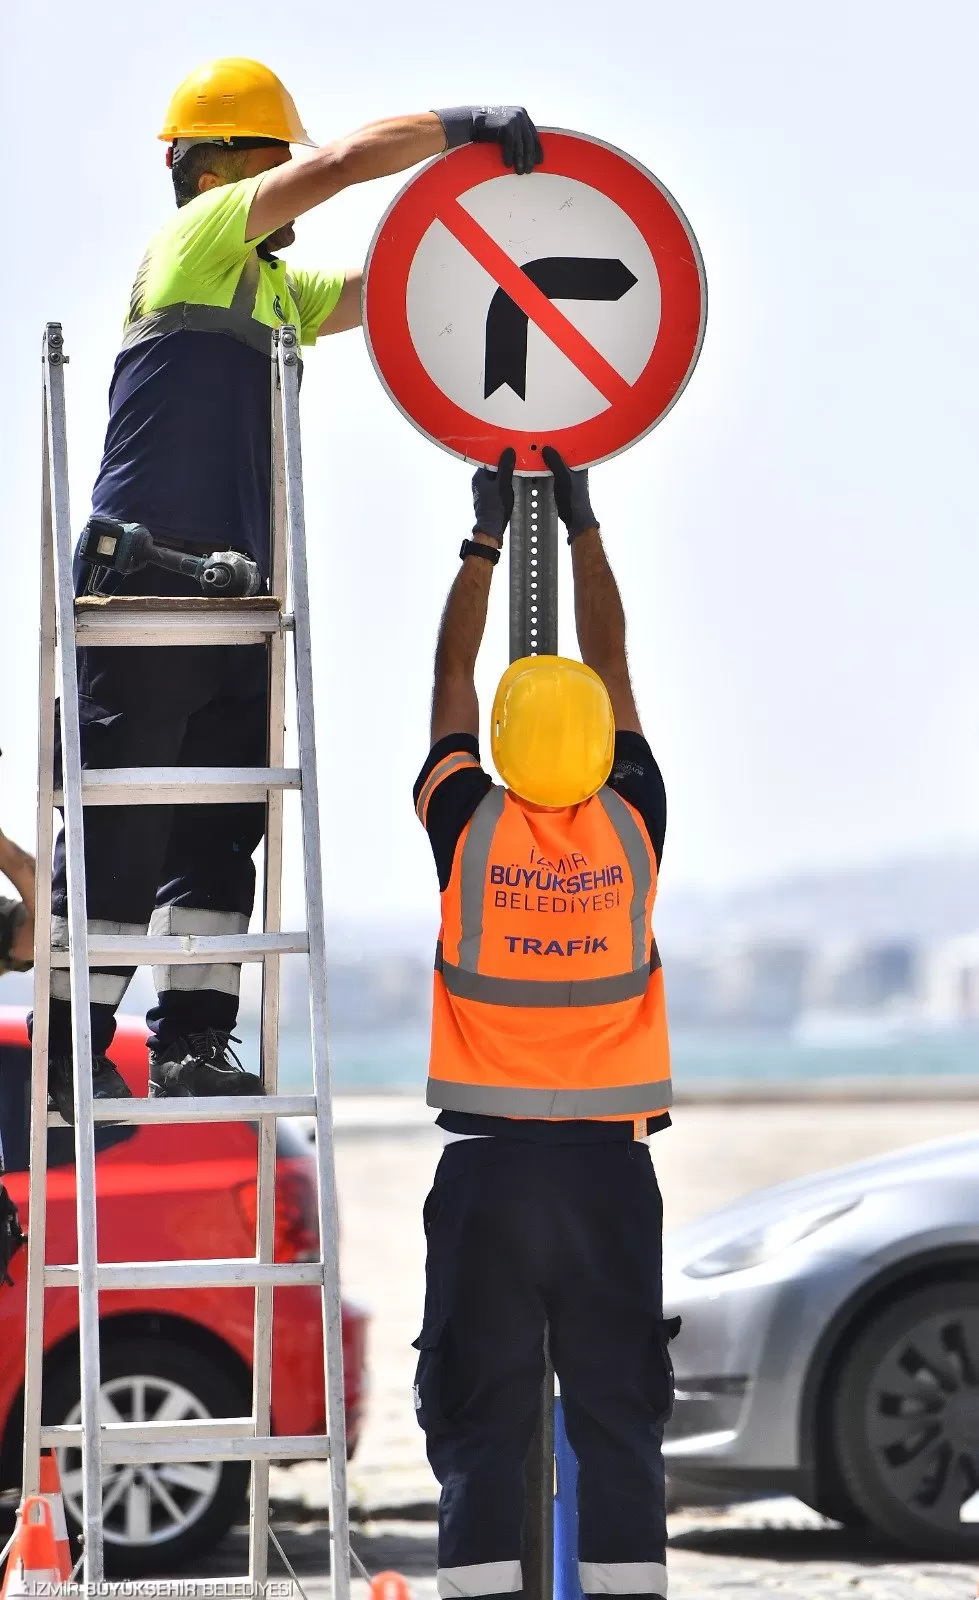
[(144, 1505), (922, 1415)]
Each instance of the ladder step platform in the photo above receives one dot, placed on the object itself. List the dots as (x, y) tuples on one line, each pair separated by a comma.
[(184, 949), (151, 620), (217, 1439), (210, 1108), (245, 1273), (167, 786)]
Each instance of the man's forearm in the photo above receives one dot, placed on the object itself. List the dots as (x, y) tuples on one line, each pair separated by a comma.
[(600, 622), (599, 617), (384, 148), (377, 151), (18, 866), (455, 708)]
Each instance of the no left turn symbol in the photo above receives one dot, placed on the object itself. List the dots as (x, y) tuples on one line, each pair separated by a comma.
[(566, 307)]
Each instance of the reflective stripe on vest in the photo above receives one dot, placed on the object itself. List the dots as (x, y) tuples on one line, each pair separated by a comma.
[(468, 985), (475, 860), (463, 977), (236, 321), (490, 1100), (637, 855)]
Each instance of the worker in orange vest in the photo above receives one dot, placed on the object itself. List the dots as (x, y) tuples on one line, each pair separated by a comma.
[(550, 1068)]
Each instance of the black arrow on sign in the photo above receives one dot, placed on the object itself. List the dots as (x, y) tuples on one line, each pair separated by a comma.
[(560, 278)]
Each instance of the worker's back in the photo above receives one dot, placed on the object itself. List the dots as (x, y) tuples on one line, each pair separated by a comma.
[(549, 994), (187, 445)]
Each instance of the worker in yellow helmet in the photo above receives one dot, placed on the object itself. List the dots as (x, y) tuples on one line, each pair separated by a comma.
[(550, 1068), (187, 454)]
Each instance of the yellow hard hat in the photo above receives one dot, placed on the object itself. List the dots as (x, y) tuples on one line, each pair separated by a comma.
[(233, 99), (553, 731)]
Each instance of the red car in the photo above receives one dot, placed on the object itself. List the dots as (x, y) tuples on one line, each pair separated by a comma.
[(165, 1193)]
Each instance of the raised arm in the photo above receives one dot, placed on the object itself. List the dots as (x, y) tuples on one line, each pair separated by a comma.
[(18, 866), (599, 617), (455, 705), (382, 149)]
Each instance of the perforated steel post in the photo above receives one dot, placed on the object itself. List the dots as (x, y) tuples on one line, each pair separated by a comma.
[(533, 569), (533, 541)]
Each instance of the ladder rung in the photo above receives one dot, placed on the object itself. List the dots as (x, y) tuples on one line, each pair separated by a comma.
[(167, 786), (245, 1273), (216, 622), (197, 1428), (132, 1443), (186, 950), (214, 1108)]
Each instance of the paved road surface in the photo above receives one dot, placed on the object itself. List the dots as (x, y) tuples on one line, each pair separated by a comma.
[(741, 1553)]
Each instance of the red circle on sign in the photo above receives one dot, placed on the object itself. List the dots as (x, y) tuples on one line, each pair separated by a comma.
[(633, 409)]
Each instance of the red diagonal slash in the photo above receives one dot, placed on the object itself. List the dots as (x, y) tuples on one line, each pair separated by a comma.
[(536, 305)]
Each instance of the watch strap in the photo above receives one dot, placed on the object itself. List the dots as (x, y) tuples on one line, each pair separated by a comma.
[(476, 547)]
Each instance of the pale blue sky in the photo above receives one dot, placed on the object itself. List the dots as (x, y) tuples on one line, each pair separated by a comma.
[(796, 544)]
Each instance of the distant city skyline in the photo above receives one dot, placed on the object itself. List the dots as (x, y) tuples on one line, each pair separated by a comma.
[(899, 945), (795, 544)]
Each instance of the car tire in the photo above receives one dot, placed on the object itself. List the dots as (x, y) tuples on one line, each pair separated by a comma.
[(906, 1420), (838, 1507), (144, 1535)]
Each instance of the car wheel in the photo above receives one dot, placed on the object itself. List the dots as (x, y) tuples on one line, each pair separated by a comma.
[(906, 1421), (838, 1507), (154, 1518)]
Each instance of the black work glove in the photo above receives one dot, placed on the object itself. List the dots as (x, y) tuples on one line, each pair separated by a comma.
[(570, 494), (508, 126), (493, 496), (12, 1235)]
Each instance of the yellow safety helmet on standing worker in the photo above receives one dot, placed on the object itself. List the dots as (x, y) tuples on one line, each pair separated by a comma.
[(553, 737), (233, 99)]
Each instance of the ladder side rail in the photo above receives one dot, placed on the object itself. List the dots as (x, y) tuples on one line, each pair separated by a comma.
[(38, 1175), (534, 631), (258, 1512), (325, 1161), (88, 1304)]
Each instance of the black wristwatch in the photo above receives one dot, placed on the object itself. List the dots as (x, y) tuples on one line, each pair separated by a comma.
[(474, 547)]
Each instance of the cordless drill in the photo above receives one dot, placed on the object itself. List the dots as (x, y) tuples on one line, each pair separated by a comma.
[(126, 547)]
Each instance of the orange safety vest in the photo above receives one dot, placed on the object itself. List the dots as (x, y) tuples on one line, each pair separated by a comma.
[(549, 995)]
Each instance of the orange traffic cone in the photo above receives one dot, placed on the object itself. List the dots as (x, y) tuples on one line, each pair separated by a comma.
[(390, 1586), (51, 1493), (33, 1563)]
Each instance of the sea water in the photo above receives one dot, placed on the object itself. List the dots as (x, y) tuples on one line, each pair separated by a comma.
[(395, 1061)]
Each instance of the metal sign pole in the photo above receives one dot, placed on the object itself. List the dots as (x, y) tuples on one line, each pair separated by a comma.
[(533, 631)]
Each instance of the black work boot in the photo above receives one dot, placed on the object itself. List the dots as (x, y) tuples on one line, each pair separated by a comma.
[(201, 1064), (107, 1084)]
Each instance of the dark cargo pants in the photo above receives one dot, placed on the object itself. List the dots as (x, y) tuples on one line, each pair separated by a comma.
[(523, 1235), (183, 869)]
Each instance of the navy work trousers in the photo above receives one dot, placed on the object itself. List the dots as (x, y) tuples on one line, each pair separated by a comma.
[(182, 869), (523, 1236)]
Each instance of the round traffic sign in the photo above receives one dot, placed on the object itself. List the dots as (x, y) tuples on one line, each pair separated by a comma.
[(563, 307)]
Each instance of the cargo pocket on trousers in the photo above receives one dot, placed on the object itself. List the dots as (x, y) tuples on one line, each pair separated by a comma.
[(427, 1391), (95, 723), (665, 1383)]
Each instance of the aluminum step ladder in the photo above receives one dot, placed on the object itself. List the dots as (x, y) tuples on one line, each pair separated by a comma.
[(66, 625)]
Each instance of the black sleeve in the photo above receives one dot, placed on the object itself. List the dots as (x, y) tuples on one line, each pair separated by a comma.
[(447, 792), (637, 778)]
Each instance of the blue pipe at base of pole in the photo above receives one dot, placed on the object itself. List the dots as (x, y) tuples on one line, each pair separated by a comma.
[(566, 1582)]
